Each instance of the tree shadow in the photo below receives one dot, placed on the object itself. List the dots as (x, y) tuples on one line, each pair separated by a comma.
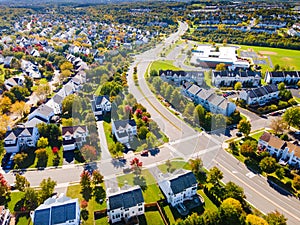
[(99, 194), (141, 181), (19, 205)]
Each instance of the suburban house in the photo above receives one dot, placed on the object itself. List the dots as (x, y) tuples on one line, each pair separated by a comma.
[(4, 216), (7, 62), (20, 137), (286, 152), (124, 130), (43, 113), (229, 78), (74, 137), (100, 106), (56, 103), (179, 187), (14, 81), (179, 77), (288, 77), (30, 69), (261, 95), (209, 99), (124, 205), (61, 210)]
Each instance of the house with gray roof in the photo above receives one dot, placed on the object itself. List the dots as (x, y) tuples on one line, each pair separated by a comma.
[(261, 95), (14, 81), (209, 99), (61, 210), (125, 204), (43, 113), (179, 186), (179, 77), (124, 130), (288, 77), (101, 106), (20, 138), (74, 137)]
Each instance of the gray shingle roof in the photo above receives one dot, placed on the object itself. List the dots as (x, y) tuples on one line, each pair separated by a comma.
[(181, 182)]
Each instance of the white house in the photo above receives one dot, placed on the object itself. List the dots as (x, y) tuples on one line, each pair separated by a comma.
[(14, 81), (61, 210), (286, 152), (20, 137), (124, 130), (229, 78), (74, 137), (100, 106), (30, 69), (5, 216), (288, 77), (56, 103), (43, 113), (125, 204), (179, 187), (209, 99), (179, 77), (261, 95)]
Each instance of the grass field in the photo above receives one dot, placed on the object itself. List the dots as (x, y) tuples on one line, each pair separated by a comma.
[(15, 197), (73, 191), (208, 204), (163, 65), (175, 165), (282, 57), (151, 218), (151, 191)]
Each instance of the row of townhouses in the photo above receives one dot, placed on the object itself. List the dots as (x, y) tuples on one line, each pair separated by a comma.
[(288, 77), (180, 77), (209, 99), (286, 152)]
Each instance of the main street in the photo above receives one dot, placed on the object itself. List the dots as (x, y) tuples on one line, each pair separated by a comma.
[(184, 143)]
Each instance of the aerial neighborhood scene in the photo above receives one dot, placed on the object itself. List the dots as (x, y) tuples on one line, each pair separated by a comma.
[(178, 112)]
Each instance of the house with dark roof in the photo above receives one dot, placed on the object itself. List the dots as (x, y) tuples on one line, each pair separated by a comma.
[(20, 138), (74, 137), (43, 113), (125, 204), (179, 77), (229, 78), (179, 187), (286, 152), (101, 106), (209, 99), (260, 95), (124, 130), (288, 77), (61, 210)]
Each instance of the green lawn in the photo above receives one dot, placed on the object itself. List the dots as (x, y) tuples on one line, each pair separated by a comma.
[(108, 134), (257, 135), (163, 65), (151, 191), (73, 191), (102, 221), (208, 204), (282, 57), (152, 218), (175, 165), (207, 79), (169, 214), (14, 198), (24, 220)]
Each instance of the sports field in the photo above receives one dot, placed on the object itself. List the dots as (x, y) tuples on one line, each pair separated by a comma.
[(282, 57)]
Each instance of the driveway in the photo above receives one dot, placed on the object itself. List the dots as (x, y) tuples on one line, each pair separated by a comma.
[(105, 154)]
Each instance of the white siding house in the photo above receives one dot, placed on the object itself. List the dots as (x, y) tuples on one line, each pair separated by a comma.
[(74, 137), (124, 130), (101, 106), (125, 204)]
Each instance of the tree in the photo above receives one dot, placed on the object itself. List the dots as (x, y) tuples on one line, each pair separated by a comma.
[(189, 110), (280, 172), (281, 86), (19, 159), (150, 139), (292, 116), (275, 218), (20, 93), (136, 166), (31, 198), (214, 175), (66, 66), (42, 142), (244, 126), (42, 90), (298, 84), (176, 98), (50, 131), (85, 183), (268, 164), (21, 182), (97, 177), (276, 67), (221, 67), (20, 108), (42, 157), (248, 148), (255, 220), (238, 86), (46, 189), (231, 211), (234, 191), (196, 165), (4, 123), (296, 182), (4, 187), (169, 166), (5, 104), (142, 132), (199, 114), (153, 73), (89, 152), (278, 125)]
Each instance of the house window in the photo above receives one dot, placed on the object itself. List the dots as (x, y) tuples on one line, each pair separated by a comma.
[(140, 209), (126, 209)]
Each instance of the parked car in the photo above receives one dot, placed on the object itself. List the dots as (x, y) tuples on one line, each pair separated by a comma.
[(126, 169), (145, 153), (239, 134)]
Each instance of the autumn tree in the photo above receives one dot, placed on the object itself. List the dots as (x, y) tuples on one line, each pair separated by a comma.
[(221, 67), (4, 122), (244, 126), (21, 182), (19, 158), (85, 183), (5, 104), (42, 142), (296, 182), (275, 218), (238, 86), (196, 165), (231, 211), (268, 164), (255, 220), (4, 187), (278, 125), (248, 148), (136, 166), (31, 198), (42, 157), (20, 108), (214, 175), (97, 177), (89, 152), (292, 116)]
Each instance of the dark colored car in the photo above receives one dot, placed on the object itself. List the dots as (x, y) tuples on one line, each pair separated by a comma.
[(239, 134), (145, 153)]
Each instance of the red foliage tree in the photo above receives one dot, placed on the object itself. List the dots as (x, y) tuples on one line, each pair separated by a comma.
[(136, 166)]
